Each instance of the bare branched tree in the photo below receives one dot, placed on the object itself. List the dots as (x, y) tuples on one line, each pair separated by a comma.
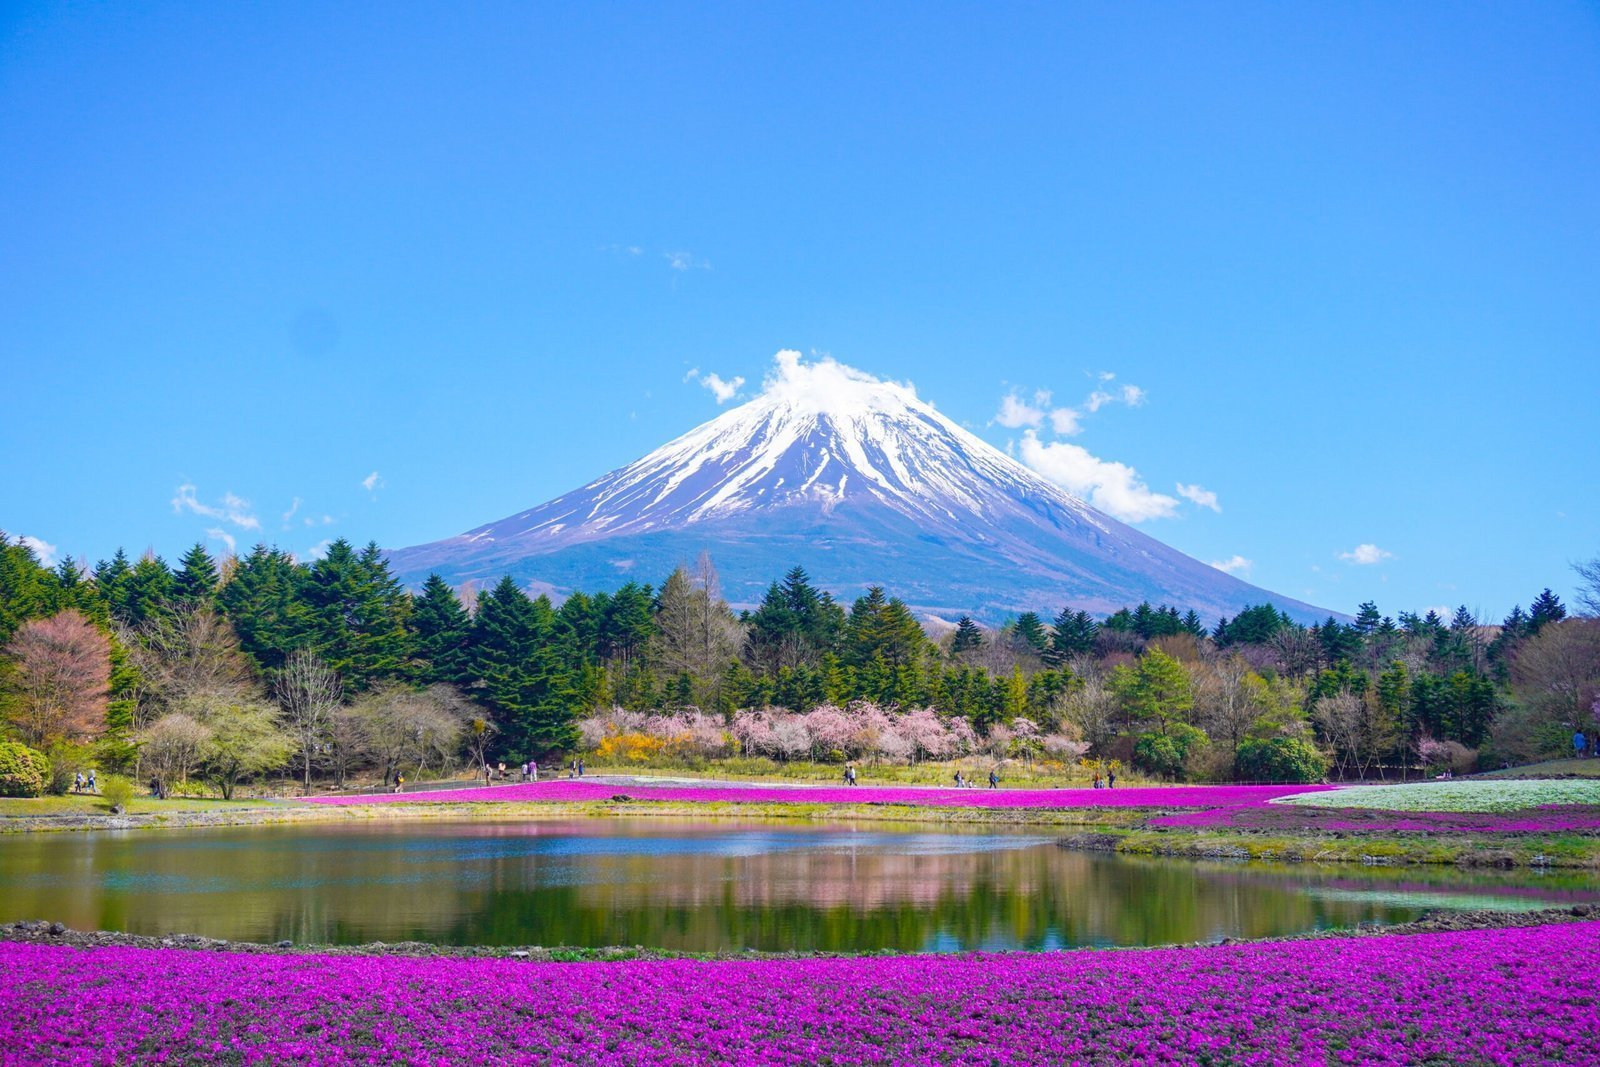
[(1588, 594), (1341, 717), (193, 651), (310, 692)]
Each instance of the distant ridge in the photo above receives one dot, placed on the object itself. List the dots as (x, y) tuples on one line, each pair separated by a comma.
[(862, 483)]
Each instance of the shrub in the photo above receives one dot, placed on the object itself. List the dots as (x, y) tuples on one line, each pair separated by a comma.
[(66, 760), (118, 792), (1281, 759), (1168, 754), (23, 772)]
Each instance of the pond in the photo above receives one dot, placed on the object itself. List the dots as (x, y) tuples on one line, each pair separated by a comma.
[(704, 886)]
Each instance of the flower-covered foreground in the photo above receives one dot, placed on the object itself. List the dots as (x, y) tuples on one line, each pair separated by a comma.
[(571, 791), (1506, 996)]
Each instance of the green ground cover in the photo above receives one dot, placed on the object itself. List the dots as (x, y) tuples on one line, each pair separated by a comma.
[(90, 804), (1556, 768)]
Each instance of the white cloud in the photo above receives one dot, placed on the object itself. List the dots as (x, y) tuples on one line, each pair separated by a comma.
[(287, 515), (723, 389), (1097, 400), (1064, 421), (1114, 488), (1366, 555), (219, 534), (1132, 395), (685, 261), (373, 482), (41, 548), (1199, 496), (1235, 565), (1016, 413), (1106, 376), (232, 509), (318, 550)]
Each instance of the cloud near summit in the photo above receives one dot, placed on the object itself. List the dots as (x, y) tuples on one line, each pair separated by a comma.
[(1115, 488)]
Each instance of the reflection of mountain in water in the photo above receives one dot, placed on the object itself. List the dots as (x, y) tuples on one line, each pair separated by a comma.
[(700, 886)]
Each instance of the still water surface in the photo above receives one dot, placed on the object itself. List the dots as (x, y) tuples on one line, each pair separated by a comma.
[(694, 885)]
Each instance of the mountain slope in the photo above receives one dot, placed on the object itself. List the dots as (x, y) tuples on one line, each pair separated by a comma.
[(862, 483)]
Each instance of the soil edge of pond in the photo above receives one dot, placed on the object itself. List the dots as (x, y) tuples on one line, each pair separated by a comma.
[(39, 931)]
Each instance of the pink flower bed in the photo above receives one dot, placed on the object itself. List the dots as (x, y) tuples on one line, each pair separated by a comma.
[(1508, 996), (570, 791), (1261, 815)]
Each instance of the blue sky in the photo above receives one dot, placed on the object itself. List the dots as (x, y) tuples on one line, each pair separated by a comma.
[(389, 274)]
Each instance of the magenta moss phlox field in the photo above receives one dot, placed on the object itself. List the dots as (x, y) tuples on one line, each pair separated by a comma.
[(573, 791), (1510, 996)]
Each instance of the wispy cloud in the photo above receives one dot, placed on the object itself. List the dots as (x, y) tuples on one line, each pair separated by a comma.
[(1114, 488), (723, 389), (1017, 413), (1234, 565), (1199, 496), (287, 515), (685, 261), (318, 550), (217, 533), (373, 482), (41, 548), (233, 509), (1365, 555)]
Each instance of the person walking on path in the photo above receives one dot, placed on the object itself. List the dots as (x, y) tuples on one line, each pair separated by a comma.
[(1097, 779), (580, 768), (93, 788), (1111, 779), (1580, 744), (533, 770), (994, 780), (850, 774), (399, 781)]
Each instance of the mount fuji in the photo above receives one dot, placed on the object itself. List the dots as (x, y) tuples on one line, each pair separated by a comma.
[(862, 483)]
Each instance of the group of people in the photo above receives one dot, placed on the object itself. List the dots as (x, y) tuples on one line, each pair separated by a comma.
[(81, 784), (1111, 780), (529, 771), (963, 782)]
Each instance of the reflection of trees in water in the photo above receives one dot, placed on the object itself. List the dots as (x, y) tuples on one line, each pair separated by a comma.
[(480, 884)]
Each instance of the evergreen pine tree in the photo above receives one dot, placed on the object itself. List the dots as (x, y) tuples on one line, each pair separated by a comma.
[(1546, 608), (968, 636), (111, 578), (263, 601), (526, 686), (196, 580), (149, 590), (358, 614), (1030, 633), (441, 633)]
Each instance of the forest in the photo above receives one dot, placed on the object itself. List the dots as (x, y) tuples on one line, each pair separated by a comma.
[(240, 670)]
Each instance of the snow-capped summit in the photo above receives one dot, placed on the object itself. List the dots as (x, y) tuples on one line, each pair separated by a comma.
[(860, 481)]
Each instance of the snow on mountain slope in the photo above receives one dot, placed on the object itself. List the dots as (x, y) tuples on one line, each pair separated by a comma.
[(861, 482)]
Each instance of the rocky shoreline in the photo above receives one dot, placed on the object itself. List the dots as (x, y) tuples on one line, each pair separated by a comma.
[(39, 931)]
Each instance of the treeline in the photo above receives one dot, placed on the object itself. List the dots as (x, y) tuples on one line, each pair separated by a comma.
[(234, 668)]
